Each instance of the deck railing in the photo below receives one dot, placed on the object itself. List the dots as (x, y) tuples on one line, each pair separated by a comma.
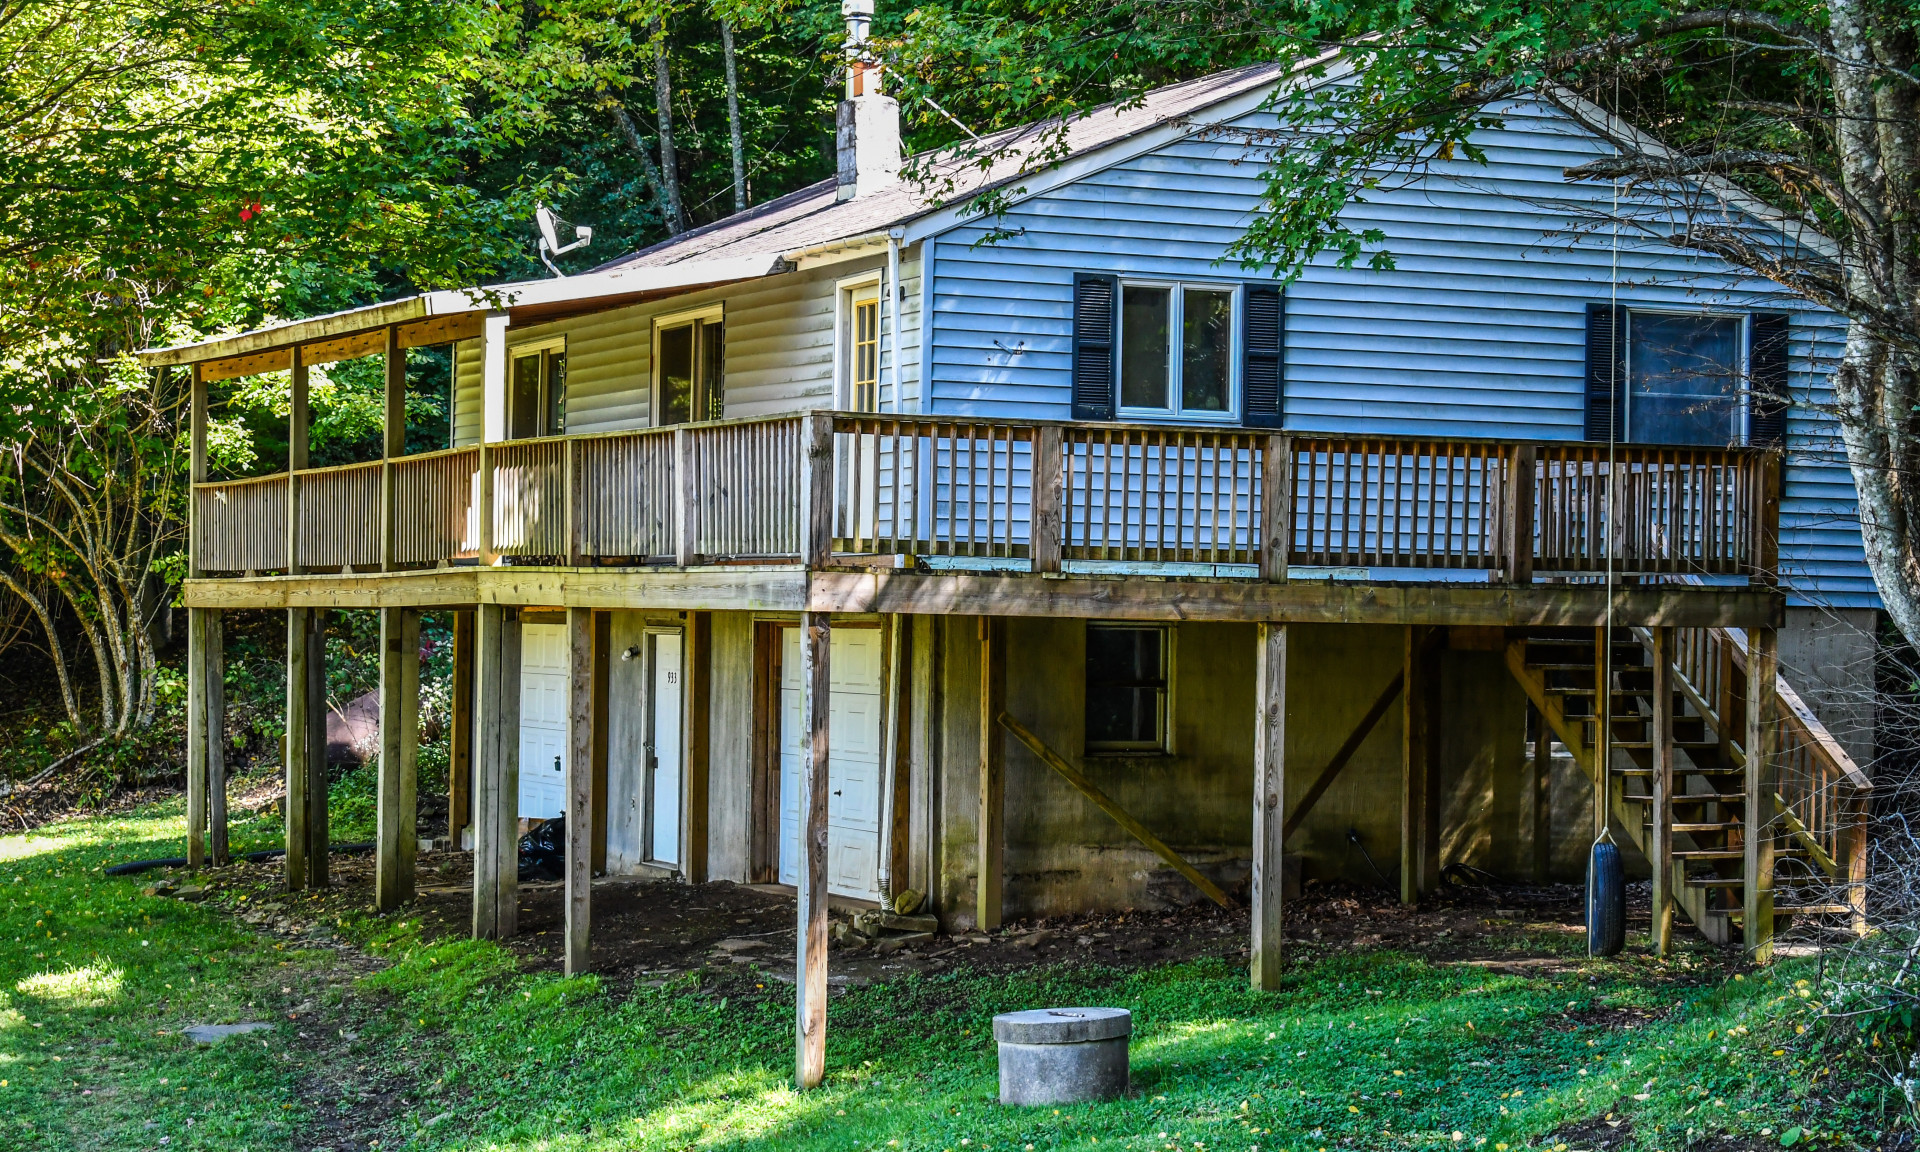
[(1821, 796), (808, 488)]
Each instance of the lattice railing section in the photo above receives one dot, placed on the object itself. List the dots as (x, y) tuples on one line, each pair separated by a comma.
[(812, 486)]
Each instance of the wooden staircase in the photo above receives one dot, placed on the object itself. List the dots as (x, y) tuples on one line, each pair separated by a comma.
[(1680, 784)]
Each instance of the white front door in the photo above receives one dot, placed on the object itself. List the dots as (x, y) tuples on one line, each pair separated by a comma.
[(853, 761), (543, 720), (664, 813)]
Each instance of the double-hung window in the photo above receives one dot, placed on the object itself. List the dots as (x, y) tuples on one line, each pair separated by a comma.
[(689, 378), (538, 396), (1176, 345), (1684, 373)]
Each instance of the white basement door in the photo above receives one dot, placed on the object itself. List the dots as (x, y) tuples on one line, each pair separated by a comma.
[(543, 720), (853, 762), (665, 811)]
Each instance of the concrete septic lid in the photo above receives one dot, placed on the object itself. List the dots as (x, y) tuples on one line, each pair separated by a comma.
[(1062, 1025)]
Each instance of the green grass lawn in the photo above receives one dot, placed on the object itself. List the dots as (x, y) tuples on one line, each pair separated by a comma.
[(447, 1045)]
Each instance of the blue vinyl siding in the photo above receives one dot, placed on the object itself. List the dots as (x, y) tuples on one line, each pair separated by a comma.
[(1478, 331)]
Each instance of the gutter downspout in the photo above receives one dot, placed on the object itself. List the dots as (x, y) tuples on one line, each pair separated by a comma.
[(892, 317)]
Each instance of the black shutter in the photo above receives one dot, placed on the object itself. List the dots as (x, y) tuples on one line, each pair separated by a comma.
[(1263, 381), (1768, 396), (1095, 314), (1606, 372)]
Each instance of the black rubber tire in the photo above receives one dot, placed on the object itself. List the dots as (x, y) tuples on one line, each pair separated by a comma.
[(1606, 901)]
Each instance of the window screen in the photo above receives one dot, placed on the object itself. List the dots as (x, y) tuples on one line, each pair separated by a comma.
[(1126, 688), (1176, 351)]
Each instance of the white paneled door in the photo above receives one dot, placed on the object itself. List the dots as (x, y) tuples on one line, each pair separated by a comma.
[(665, 744), (853, 762), (543, 720)]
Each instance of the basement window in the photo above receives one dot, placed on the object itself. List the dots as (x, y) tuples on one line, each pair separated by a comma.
[(1126, 688)]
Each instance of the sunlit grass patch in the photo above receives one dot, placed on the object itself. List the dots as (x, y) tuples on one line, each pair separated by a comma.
[(89, 987)]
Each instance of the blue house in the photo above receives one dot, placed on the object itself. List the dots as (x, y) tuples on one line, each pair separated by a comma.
[(866, 545)]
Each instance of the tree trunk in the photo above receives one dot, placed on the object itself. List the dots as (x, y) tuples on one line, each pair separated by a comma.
[(1875, 391), (638, 144), (733, 119), (663, 106)]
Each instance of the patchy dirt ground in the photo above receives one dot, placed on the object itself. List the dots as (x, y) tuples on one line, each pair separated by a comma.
[(652, 930)]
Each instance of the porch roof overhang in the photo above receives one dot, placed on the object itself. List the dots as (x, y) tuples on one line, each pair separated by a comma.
[(451, 314)]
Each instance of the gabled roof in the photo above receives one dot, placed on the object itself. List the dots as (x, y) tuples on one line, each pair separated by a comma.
[(812, 217)]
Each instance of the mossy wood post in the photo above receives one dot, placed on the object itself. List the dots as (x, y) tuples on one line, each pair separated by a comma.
[(319, 832), (213, 666), (579, 806), (1269, 804), (302, 756), (460, 731), (1660, 811), (1540, 790), (1417, 801), (810, 961), (1763, 769), (496, 776), (395, 842), (992, 829), (196, 737), (693, 861)]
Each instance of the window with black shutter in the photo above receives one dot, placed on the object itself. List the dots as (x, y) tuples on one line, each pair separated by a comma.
[(1094, 321), (1768, 396), (1262, 368), (1671, 377)]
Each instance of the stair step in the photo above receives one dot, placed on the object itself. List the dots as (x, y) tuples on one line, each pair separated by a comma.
[(1711, 798), (1728, 853), (1714, 882), (1690, 828), (1683, 745)]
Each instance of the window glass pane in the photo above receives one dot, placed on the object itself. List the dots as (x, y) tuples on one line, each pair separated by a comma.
[(1144, 349), (865, 373), (556, 393), (1206, 349), (1683, 379), (676, 375), (1126, 687), (523, 408), (712, 375)]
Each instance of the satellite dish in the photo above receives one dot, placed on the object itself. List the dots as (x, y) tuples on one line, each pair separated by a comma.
[(550, 246)]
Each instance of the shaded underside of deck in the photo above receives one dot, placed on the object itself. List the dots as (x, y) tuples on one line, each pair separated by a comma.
[(792, 588)]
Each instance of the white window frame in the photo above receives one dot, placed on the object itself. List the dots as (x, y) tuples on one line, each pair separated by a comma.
[(846, 292), (1743, 395), (535, 347), (1176, 321), (705, 313)]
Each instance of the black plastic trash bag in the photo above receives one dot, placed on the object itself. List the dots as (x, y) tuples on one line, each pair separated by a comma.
[(543, 851)]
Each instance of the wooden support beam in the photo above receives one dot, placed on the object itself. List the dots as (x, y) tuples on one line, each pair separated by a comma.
[(1660, 811), (900, 811), (393, 441), (1416, 757), (1374, 714), (197, 737), (991, 826), (495, 426), (699, 738), (214, 679), (297, 422), (1276, 508), (396, 839), (319, 833), (496, 775), (1107, 804), (1049, 489), (686, 531), (293, 750), (602, 709), (810, 961), (579, 808), (460, 729), (1519, 527), (197, 407), (1540, 791), (1269, 804), (816, 490), (1762, 780)]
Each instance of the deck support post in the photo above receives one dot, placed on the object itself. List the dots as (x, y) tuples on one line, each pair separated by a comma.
[(1269, 806), (810, 961), (1660, 811), (496, 784), (1756, 905), (304, 752), (1276, 508), (206, 724), (395, 842), (693, 859), (1540, 793), (460, 731), (1419, 754), (992, 827), (581, 708), (1049, 493)]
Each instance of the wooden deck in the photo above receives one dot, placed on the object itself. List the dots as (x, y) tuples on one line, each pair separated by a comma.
[(838, 512)]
